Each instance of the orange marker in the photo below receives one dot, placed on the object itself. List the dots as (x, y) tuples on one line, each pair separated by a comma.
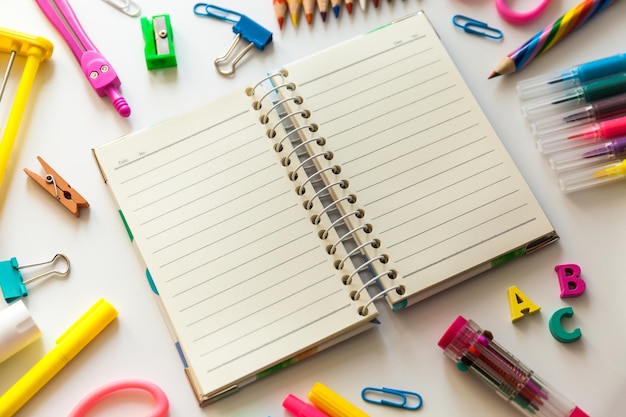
[(280, 8)]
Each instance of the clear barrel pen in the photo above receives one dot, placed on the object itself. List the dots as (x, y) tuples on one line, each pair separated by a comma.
[(571, 77), (575, 97), (474, 350), (588, 155), (607, 108), (592, 177), (582, 135)]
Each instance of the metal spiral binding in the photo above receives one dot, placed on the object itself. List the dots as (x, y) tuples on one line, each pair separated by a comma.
[(329, 203), (259, 103), (341, 183), (272, 132), (301, 190), (296, 99), (358, 213), (350, 198), (293, 175), (347, 279), (375, 243), (319, 140), (278, 147)]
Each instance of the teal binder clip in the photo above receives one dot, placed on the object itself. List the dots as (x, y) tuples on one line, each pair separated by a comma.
[(244, 27), (12, 283), (392, 398), (159, 38)]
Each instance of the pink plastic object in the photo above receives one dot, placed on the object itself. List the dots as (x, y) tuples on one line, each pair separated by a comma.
[(96, 67), (520, 18), (161, 403)]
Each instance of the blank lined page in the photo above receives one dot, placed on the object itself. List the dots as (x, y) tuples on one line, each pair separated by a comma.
[(241, 275), (434, 179)]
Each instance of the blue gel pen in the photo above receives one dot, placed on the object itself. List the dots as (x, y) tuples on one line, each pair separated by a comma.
[(571, 77)]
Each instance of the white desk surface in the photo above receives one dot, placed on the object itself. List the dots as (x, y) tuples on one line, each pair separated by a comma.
[(65, 119)]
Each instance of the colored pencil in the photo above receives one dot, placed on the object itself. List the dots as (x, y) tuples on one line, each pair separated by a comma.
[(322, 5), (349, 5), (280, 8), (309, 9), (294, 10), (336, 7), (375, 3), (551, 35), (363, 4)]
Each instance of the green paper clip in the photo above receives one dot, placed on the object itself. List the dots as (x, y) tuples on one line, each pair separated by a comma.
[(13, 286), (159, 38)]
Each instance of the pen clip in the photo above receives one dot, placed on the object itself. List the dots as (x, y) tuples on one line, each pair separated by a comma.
[(91, 323)]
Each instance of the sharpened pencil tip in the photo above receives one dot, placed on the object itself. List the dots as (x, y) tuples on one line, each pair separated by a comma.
[(336, 11), (493, 75), (309, 18), (280, 22), (323, 16)]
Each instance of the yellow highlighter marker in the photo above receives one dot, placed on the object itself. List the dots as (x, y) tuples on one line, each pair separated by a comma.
[(68, 345), (332, 403)]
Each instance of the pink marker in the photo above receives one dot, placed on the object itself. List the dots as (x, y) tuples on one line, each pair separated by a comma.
[(96, 67), (299, 408)]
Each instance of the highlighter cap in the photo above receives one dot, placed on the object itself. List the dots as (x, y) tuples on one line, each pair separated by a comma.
[(17, 329)]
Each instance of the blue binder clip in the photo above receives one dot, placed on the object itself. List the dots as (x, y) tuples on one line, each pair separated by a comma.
[(11, 282), (244, 27), (392, 398)]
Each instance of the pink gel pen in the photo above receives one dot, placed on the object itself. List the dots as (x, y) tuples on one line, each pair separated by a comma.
[(96, 67), (582, 135), (473, 349)]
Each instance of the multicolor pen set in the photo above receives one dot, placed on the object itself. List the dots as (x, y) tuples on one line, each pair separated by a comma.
[(474, 349), (578, 118)]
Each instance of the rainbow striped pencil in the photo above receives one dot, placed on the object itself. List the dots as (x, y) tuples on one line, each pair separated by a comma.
[(550, 36)]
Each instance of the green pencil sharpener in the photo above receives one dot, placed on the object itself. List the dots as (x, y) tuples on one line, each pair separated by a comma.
[(159, 38)]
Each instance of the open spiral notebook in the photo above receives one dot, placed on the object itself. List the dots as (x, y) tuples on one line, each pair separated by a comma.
[(272, 219)]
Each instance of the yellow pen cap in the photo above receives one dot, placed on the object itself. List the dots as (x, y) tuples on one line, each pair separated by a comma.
[(83, 331), (86, 328), (332, 403)]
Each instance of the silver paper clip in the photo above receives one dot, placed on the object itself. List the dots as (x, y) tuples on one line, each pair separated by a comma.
[(128, 7), (244, 27), (406, 400), (476, 27)]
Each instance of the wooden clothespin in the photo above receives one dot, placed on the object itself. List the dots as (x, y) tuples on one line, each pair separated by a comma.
[(58, 188)]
